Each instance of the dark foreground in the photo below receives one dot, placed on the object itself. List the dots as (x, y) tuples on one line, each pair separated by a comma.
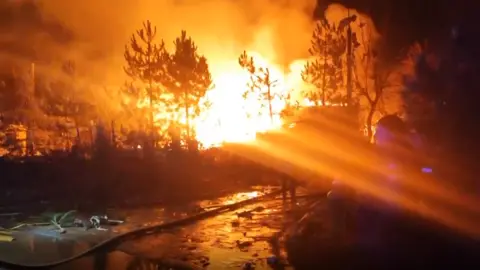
[(122, 179), (241, 236), (266, 235), (404, 242)]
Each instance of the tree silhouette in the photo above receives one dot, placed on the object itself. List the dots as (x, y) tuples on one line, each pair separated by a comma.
[(377, 82), (13, 96), (132, 113), (261, 82), (19, 104), (146, 62), (326, 70), (72, 106), (188, 79), (65, 100), (27, 109), (427, 82)]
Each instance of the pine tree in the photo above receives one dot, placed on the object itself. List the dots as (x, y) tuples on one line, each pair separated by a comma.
[(326, 70), (72, 105), (261, 82), (146, 62), (188, 80)]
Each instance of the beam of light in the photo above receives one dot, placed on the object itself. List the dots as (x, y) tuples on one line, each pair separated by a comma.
[(311, 156)]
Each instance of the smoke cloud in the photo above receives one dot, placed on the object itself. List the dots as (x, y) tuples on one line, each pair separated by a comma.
[(279, 30), (336, 12)]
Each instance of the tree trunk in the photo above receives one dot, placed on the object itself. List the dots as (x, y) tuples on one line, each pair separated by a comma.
[(77, 128), (373, 107), (270, 109), (152, 122), (30, 147), (324, 79), (369, 124), (187, 119), (69, 143), (92, 136), (349, 66), (113, 133)]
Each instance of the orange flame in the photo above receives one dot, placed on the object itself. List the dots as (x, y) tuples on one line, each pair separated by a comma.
[(233, 118)]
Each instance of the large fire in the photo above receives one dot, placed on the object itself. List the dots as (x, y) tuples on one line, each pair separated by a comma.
[(275, 33), (232, 117)]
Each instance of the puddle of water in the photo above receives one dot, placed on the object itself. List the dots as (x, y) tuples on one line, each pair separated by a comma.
[(217, 243), (227, 241), (235, 238)]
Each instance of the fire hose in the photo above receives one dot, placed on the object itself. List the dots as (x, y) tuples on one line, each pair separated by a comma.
[(116, 240)]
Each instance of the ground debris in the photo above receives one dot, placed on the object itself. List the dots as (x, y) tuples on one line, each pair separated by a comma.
[(258, 209), (245, 214), (244, 244)]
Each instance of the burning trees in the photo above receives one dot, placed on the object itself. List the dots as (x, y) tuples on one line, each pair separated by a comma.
[(176, 82), (261, 83), (146, 62), (71, 104), (346, 62), (19, 106), (378, 83), (326, 71), (188, 80)]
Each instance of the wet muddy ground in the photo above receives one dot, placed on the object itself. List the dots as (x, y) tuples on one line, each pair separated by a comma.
[(226, 241), (246, 238), (233, 240)]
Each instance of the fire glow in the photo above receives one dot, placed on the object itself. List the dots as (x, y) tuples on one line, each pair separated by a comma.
[(233, 117)]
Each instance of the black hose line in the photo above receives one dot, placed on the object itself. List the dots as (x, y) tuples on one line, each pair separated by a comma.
[(116, 240)]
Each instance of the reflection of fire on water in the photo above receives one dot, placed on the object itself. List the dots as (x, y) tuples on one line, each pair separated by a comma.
[(238, 197)]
